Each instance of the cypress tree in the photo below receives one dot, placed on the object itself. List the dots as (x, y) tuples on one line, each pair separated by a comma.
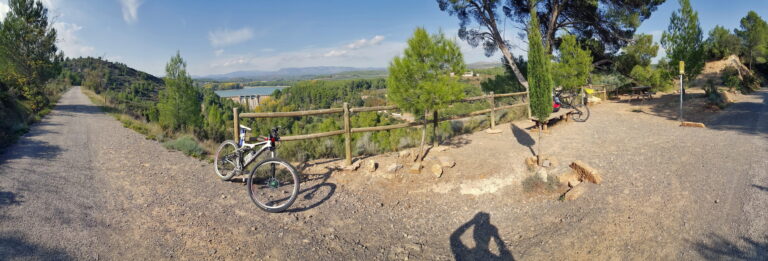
[(539, 77)]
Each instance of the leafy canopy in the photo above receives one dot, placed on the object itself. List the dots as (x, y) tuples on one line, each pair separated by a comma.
[(539, 77), (753, 33), (640, 52), (574, 64), (420, 80), (683, 40), (722, 43), (28, 50), (610, 24)]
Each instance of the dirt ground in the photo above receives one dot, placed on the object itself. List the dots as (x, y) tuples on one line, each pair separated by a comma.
[(669, 192)]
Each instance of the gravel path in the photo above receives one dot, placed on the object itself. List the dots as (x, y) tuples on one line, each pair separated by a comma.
[(80, 186)]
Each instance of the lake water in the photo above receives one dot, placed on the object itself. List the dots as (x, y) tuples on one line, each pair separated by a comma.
[(261, 90)]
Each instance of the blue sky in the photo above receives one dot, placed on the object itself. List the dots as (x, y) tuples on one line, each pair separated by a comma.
[(224, 36)]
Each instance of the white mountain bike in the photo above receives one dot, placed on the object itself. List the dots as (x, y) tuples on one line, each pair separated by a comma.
[(273, 183)]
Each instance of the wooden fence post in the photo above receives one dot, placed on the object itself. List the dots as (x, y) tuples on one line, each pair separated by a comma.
[(493, 110), (434, 128), (236, 120), (347, 136)]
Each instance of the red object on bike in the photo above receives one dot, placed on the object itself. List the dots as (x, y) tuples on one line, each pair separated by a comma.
[(555, 105)]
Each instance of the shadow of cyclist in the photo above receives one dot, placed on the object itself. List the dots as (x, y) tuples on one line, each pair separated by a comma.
[(483, 233)]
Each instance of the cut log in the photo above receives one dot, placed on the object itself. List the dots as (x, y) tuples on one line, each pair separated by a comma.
[(692, 124), (586, 173)]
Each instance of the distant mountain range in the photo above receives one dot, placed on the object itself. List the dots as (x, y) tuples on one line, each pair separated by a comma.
[(307, 73)]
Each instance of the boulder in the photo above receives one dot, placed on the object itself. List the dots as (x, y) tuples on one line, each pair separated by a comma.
[(574, 182), (446, 161), (394, 167), (586, 173), (531, 163), (437, 170), (415, 168), (568, 178), (354, 166), (542, 175), (576, 192), (371, 165)]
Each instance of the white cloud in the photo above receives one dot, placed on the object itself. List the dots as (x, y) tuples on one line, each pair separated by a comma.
[(218, 52), (4, 10), (130, 10), (225, 37), (373, 52), (68, 41), (365, 42), (362, 43)]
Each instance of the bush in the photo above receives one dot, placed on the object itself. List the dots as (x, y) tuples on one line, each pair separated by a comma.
[(186, 144)]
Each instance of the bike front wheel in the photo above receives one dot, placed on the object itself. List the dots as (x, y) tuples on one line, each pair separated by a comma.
[(227, 160), (273, 185)]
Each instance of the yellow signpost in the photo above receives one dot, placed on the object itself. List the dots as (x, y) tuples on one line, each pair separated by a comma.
[(682, 67), (682, 71)]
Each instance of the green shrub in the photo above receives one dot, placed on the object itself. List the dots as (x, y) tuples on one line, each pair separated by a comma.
[(186, 144)]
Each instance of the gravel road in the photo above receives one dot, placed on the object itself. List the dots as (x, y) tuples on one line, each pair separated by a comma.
[(80, 186)]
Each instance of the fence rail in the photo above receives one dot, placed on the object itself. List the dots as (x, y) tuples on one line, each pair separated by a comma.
[(348, 130)]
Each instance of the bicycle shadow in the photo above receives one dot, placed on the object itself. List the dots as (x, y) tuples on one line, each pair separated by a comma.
[(310, 194), (483, 232)]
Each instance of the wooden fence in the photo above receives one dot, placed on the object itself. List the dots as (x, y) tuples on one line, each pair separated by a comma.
[(347, 111)]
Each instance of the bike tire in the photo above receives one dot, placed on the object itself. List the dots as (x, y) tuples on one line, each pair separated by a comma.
[(218, 162), (582, 113), (254, 188)]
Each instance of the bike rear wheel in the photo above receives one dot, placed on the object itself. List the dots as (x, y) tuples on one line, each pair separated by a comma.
[(273, 185), (227, 160), (581, 113)]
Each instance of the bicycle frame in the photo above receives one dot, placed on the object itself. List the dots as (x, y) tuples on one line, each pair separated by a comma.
[(252, 153)]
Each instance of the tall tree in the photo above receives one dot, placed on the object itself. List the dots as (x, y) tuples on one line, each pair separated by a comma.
[(754, 38), (683, 40), (506, 82), (539, 76), (607, 25), (420, 81), (573, 64), (29, 50), (721, 43), (483, 12), (640, 52), (179, 105)]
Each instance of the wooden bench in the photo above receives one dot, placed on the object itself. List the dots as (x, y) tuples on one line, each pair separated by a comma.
[(562, 114), (641, 92)]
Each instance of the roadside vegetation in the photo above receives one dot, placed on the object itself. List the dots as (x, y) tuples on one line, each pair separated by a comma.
[(31, 79)]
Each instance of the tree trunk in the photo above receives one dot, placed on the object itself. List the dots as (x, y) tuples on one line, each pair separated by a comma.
[(538, 146), (420, 157)]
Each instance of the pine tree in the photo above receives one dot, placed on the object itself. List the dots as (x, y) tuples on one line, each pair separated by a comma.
[(683, 40), (754, 38), (574, 64), (420, 81), (179, 105)]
